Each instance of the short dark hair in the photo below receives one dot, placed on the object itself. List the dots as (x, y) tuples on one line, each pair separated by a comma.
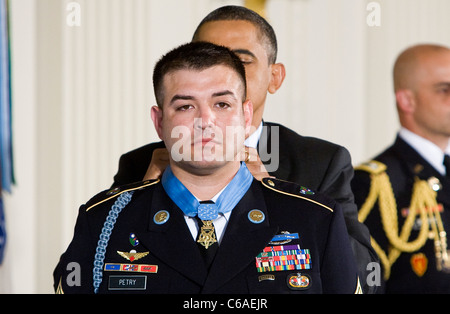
[(195, 56), (239, 13)]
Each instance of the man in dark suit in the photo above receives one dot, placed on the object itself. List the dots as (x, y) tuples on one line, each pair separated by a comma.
[(253, 236), (312, 162), (404, 193)]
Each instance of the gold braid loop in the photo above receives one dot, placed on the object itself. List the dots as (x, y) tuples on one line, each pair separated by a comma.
[(381, 190)]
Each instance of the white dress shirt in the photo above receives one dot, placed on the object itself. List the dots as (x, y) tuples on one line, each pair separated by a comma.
[(221, 222), (253, 139), (428, 150)]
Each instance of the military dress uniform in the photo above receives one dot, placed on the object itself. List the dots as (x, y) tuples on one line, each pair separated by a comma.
[(280, 238), (320, 165), (405, 202)]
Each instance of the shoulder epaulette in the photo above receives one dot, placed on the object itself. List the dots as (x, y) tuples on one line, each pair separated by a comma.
[(372, 167), (293, 189), (116, 191)]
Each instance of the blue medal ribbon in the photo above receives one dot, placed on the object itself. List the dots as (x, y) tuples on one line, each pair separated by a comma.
[(190, 206)]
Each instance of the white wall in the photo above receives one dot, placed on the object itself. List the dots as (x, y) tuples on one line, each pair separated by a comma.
[(18, 271), (403, 23), (82, 96)]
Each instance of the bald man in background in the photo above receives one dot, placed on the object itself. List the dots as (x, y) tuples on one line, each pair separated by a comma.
[(404, 193)]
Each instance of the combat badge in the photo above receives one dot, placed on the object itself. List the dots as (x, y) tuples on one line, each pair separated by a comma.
[(283, 238), (298, 281)]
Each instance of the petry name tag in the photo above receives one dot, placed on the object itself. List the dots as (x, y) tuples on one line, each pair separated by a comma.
[(127, 283)]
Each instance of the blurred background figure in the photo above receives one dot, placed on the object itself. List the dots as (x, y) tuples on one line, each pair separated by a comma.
[(404, 192)]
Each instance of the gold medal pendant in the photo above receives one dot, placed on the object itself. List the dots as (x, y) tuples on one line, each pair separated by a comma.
[(207, 235)]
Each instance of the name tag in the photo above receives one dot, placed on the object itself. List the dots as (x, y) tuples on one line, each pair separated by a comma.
[(127, 283)]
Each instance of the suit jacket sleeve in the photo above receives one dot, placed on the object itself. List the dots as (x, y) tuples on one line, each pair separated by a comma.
[(73, 273), (336, 255), (337, 184), (128, 171), (134, 164), (324, 167)]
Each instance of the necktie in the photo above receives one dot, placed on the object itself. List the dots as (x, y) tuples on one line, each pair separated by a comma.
[(206, 238), (447, 165)]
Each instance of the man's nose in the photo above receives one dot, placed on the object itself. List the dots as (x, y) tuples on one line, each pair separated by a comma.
[(205, 118)]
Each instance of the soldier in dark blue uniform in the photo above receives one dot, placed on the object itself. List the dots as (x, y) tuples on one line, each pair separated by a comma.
[(322, 166), (404, 193), (207, 226)]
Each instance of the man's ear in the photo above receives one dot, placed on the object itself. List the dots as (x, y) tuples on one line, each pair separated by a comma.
[(277, 77), (405, 100), (157, 116), (247, 106)]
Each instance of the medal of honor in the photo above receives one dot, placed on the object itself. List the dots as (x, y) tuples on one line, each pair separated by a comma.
[(207, 236)]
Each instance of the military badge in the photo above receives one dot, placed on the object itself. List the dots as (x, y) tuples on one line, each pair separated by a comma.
[(161, 217), (133, 239), (419, 264), (298, 281), (434, 184), (132, 255), (283, 257), (207, 236), (113, 191), (283, 238), (256, 216), (306, 191), (139, 268), (266, 277)]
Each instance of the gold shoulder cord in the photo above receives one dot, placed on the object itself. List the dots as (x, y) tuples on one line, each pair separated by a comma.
[(115, 192), (423, 202), (59, 289)]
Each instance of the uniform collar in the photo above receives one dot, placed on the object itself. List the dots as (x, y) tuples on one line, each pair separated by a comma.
[(253, 139), (189, 204), (428, 150)]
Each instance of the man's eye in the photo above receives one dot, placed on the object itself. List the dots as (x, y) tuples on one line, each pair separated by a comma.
[(443, 89), (184, 107), (222, 105), (246, 61)]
